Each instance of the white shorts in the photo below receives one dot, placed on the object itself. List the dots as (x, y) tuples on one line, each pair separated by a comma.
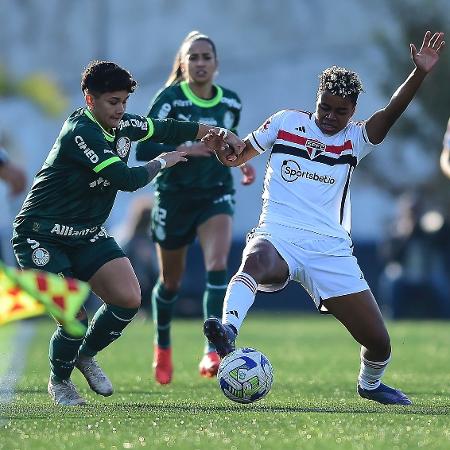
[(323, 265)]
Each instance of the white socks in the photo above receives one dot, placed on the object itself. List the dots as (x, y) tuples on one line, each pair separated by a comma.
[(371, 373), (238, 299)]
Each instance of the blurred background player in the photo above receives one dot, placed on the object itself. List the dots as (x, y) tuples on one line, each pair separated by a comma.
[(194, 202), (304, 228), (13, 176), (445, 155), (60, 226)]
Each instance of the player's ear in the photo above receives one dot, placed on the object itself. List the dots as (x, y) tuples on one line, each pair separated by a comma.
[(89, 98)]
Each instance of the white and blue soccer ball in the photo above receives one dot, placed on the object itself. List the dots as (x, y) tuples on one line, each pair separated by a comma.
[(245, 375)]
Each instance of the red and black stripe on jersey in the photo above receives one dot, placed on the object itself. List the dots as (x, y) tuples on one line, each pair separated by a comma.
[(321, 157)]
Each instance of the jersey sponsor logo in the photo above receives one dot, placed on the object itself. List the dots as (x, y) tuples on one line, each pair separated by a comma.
[(314, 147), (186, 118), (101, 234), (40, 257), (123, 146), (164, 111), (231, 102), (291, 171), (182, 103), (66, 230), (133, 122), (228, 120), (91, 155), (100, 181)]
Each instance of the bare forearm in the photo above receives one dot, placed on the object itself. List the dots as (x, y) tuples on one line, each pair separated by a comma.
[(248, 153), (153, 167), (381, 122)]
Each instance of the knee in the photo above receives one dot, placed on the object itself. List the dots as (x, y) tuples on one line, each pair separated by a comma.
[(170, 282), (257, 264), (130, 298), (216, 264), (379, 345)]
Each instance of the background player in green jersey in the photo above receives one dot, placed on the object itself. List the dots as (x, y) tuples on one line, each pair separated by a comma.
[(195, 202), (60, 226)]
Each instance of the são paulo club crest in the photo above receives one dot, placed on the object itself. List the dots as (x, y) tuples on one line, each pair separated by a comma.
[(314, 148), (123, 146)]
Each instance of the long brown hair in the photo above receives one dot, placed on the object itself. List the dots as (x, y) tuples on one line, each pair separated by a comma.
[(176, 75)]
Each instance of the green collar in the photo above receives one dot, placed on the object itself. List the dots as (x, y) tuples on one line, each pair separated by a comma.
[(108, 136), (201, 101)]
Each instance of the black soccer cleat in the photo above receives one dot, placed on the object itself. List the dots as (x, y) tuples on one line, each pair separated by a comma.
[(220, 335), (385, 395)]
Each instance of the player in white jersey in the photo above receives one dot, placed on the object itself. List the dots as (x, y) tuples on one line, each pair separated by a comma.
[(303, 232)]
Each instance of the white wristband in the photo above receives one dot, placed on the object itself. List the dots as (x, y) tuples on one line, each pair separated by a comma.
[(224, 131), (162, 161)]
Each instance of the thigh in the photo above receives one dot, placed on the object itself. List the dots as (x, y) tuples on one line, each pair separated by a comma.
[(215, 239), (115, 283), (360, 314), (172, 264)]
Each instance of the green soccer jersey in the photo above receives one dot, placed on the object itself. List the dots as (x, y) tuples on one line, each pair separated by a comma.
[(75, 189), (199, 174)]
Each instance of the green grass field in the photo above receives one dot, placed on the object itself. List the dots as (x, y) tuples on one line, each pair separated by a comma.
[(312, 404)]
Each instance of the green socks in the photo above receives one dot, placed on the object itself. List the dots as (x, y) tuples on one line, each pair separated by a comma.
[(63, 352), (105, 327), (163, 302), (216, 287)]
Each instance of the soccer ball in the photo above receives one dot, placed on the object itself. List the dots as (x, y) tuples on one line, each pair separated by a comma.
[(245, 375)]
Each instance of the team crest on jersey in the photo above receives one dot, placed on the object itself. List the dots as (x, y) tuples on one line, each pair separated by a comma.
[(314, 148), (228, 120), (123, 146), (40, 257)]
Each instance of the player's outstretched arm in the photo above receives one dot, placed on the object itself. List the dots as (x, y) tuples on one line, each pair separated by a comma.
[(425, 59), (229, 155)]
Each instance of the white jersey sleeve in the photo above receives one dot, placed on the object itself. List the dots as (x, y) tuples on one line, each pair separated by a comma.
[(362, 145), (264, 137)]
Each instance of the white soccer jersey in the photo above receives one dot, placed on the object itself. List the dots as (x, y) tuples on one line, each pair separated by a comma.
[(307, 179)]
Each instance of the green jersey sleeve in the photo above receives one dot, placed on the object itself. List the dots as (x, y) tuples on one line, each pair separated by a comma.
[(160, 108)]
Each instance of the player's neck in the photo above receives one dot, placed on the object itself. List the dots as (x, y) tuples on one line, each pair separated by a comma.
[(204, 91)]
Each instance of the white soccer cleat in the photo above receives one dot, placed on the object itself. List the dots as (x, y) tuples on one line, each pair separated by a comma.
[(94, 375), (64, 392)]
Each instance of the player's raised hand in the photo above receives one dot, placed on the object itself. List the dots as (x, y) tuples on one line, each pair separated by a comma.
[(428, 55), (224, 143), (173, 158)]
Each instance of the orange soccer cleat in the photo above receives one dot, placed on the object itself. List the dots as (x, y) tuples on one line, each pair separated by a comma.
[(209, 365), (162, 365)]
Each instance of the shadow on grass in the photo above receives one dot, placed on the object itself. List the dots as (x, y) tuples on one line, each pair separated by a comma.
[(27, 412)]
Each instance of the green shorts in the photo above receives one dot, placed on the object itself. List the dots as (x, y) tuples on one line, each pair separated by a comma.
[(176, 217), (79, 258)]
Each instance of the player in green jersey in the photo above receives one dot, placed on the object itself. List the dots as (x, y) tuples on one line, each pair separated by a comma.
[(60, 226), (196, 202)]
